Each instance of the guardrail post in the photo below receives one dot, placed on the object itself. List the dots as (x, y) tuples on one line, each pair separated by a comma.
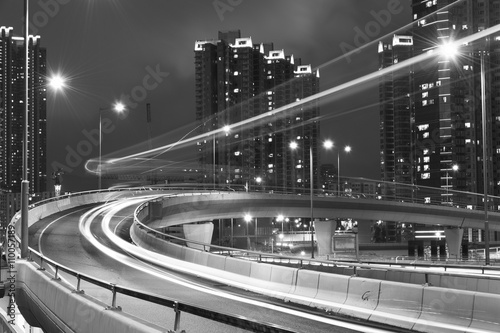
[(41, 265), (56, 274), (78, 281), (113, 301), (177, 321)]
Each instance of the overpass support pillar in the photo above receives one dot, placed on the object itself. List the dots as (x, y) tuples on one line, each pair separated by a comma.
[(454, 241), (324, 232)]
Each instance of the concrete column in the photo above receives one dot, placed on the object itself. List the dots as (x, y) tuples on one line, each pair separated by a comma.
[(454, 241), (324, 232)]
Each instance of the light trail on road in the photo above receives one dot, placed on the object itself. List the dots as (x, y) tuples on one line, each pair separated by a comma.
[(110, 210)]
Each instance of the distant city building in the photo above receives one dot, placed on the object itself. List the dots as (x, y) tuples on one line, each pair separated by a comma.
[(237, 80), (12, 113), (328, 177)]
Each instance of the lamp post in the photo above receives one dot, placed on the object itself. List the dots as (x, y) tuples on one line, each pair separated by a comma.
[(485, 164), (25, 181), (450, 50), (294, 145), (258, 180), (118, 107)]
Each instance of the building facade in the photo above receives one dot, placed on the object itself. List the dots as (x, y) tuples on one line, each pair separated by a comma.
[(396, 118), (448, 103), (444, 99), (12, 114), (241, 82)]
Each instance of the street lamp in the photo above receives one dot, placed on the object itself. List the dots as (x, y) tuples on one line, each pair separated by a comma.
[(451, 50), (294, 145), (118, 107), (454, 168), (25, 181), (328, 144), (258, 180)]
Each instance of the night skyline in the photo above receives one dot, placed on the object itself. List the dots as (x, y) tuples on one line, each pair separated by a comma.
[(107, 61)]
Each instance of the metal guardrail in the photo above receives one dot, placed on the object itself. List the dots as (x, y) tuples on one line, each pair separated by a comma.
[(178, 307)]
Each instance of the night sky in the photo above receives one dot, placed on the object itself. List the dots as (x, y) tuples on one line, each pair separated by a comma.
[(108, 47)]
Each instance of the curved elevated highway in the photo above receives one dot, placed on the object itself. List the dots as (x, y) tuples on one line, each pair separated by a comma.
[(56, 227)]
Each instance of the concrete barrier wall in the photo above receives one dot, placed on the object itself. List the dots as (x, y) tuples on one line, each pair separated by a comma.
[(486, 312), (307, 286), (238, 266), (362, 297), (372, 273), (283, 279), (332, 292), (399, 304), (260, 271), (451, 308), (59, 309)]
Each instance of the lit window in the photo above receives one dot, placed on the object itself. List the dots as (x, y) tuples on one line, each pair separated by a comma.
[(425, 135), (425, 94), (467, 125), (423, 127), (427, 159), (425, 175)]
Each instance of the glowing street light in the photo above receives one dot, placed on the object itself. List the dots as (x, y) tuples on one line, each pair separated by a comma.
[(328, 144), (57, 82), (119, 108)]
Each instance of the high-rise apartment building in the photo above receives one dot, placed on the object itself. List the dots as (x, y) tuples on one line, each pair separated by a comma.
[(396, 118), (446, 106), (237, 80), (12, 114), (448, 119)]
